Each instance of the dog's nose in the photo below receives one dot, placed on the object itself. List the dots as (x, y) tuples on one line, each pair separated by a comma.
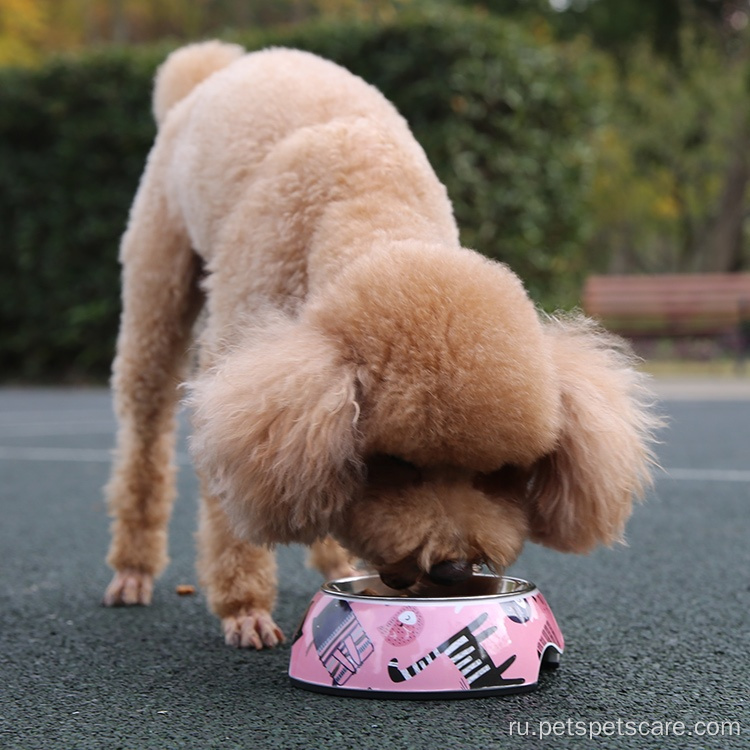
[(397, 581), (449, 572)]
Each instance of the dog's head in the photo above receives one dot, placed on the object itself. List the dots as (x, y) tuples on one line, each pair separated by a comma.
[(423, 413)]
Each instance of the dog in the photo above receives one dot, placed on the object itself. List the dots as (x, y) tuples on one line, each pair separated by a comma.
[(363, 384)]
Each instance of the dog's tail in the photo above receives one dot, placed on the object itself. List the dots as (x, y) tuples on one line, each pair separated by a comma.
[(185, 68)]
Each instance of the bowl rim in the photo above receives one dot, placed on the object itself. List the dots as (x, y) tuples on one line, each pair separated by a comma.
[(524, 588)]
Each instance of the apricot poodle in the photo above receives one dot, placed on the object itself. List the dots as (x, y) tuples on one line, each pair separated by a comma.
[(364, 383)]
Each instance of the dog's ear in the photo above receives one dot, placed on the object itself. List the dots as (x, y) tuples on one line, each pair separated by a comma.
[(581, 494), (275, 434)]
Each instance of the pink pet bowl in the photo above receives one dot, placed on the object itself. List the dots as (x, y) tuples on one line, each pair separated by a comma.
[(489, 636)]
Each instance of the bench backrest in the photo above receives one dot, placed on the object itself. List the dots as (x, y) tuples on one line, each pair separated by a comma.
[(673, 304)]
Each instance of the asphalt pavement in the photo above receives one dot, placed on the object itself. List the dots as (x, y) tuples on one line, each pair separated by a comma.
[(657, 633)]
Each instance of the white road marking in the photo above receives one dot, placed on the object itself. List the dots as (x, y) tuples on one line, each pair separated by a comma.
[(99, 455), (52, 417), (68, 455), (20, 424), (708, 475), (63, 428)]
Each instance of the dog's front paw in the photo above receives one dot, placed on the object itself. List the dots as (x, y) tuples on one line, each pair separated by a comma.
[(129, 587), (252, 628)]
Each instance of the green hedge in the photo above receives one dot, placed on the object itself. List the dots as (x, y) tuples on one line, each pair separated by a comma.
[(504, 119)]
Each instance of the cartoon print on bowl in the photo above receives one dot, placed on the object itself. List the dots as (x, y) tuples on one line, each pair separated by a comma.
[(518, 610), (551, 634), (340, 641), (465, 651), (403, 627)]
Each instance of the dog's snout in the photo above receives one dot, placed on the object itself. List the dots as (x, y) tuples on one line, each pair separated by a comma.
[(449, 572), (398, 581)]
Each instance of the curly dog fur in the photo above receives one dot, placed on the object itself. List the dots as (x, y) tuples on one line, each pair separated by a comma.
[(362, 377)]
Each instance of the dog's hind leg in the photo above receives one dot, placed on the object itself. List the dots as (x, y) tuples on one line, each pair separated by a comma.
[(161, 299), (331, 560)]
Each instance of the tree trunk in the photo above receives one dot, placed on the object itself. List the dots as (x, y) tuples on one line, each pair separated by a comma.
[(723, 251), (119, 23)]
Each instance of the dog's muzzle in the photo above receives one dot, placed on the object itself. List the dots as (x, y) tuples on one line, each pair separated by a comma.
[(449, 572), (445, 573)]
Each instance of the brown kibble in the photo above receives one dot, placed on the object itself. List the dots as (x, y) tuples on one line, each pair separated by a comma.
[(185, 589)]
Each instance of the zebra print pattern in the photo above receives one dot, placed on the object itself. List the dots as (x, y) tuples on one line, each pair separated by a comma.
[(465, 651)]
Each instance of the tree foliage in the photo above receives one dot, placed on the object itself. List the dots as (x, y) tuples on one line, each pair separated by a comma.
[(504, 118), (573, 135), (672, 184), (662, 157), (22, 26), (31, 30)]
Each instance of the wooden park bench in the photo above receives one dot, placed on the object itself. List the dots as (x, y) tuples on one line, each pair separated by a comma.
[(673, 305)]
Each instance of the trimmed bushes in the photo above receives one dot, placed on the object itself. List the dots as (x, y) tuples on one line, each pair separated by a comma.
[(73, 138), (503, 118)]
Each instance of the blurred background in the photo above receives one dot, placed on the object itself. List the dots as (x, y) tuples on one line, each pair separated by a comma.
[(599, 147)]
